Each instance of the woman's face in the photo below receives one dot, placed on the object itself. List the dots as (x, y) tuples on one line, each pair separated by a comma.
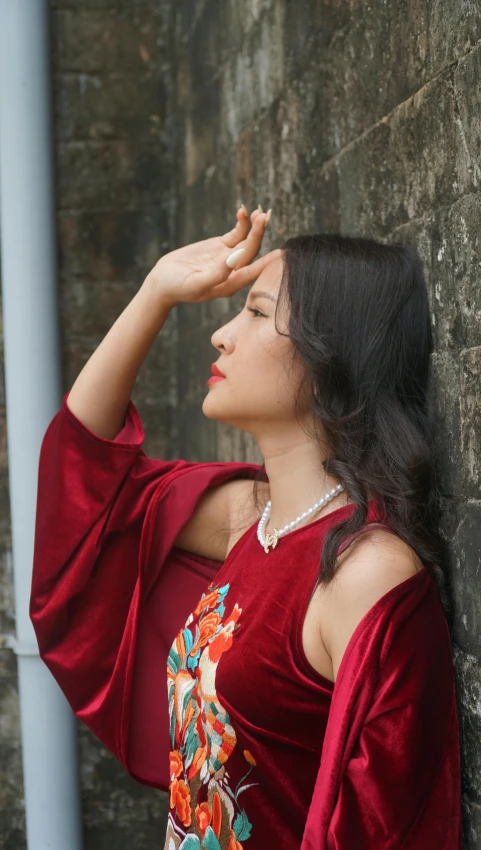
[(261, 380)]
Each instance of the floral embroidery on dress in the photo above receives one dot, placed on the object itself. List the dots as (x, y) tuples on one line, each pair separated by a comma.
[(201, 735)]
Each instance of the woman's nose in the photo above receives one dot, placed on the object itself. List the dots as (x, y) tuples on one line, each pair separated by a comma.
[(223, 343), (218, 338), (222, 338)]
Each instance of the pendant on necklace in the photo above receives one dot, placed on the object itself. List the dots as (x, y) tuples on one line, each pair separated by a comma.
[(271, 540)]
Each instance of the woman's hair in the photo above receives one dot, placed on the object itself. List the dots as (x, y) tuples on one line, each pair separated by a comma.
[(359, 321)]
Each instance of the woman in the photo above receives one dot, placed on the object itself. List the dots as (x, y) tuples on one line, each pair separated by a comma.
[(295, 609)]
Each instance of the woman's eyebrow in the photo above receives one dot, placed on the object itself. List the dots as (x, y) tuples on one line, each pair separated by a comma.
[(261, 294)]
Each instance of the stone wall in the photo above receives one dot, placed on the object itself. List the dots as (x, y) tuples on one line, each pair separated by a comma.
[(341, 116)]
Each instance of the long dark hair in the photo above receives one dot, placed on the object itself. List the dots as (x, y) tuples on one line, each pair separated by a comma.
[(359, 320)]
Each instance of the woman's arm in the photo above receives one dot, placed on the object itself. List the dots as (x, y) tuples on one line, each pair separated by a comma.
[(389, 774), (101, 393), (106, 599), (194, 273)]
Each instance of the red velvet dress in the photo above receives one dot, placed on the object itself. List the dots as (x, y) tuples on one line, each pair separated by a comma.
[(192, 672)]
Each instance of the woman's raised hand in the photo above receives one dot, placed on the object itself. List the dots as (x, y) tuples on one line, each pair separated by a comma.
[(199, 272)]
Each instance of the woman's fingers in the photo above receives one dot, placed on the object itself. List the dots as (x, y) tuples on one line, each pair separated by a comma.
[(247, 274), (254, 238), (240, 231), (219, 283), (252, 244), (249, 245)]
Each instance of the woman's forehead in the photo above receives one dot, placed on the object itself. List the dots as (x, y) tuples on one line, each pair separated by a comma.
[(270, 277)]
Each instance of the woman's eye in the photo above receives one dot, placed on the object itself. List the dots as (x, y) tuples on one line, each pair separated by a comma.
[(253, 310)]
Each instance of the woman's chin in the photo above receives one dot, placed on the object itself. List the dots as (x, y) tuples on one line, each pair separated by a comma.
[(210, 408), (214, 409)]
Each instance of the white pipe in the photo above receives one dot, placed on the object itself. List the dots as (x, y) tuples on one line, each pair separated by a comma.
[(33, 395)]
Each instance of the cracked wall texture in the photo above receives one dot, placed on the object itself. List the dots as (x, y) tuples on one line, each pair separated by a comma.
[(341, 116)]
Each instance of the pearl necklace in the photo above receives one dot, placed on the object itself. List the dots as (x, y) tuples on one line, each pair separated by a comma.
[(268, 539)]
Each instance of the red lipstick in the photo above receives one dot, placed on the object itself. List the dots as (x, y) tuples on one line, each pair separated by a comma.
[(217, 375)]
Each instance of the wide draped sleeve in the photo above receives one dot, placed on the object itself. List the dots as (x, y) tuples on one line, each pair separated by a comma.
[(107, 518), (390, 767)]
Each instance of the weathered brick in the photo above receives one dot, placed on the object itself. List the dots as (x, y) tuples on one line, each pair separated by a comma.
[(144, 5), (111, 245), (12, 808), (119, 812), (12, 830), (270, 170), (465, 548), (472, 824), (76, 300), (453, 28), (466, 80), (407, 165), (253, 77), (109, 106), (367, 69), (90, 40), (419, 235), (445, 402), (470, 413), (468, 687), (110, 174), (456, 249), (201, 144), (7, 601)]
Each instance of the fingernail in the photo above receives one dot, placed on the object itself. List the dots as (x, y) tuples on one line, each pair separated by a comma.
[(260, 208), (232, 258), (245, 209), (268, 217)]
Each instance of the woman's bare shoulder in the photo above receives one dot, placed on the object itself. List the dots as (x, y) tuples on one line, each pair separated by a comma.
[(377, 562), (223, 514)]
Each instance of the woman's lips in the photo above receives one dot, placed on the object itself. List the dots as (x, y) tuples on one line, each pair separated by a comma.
[(215, 378)]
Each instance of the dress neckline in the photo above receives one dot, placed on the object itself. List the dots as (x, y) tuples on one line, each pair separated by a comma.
[(373, 508)]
